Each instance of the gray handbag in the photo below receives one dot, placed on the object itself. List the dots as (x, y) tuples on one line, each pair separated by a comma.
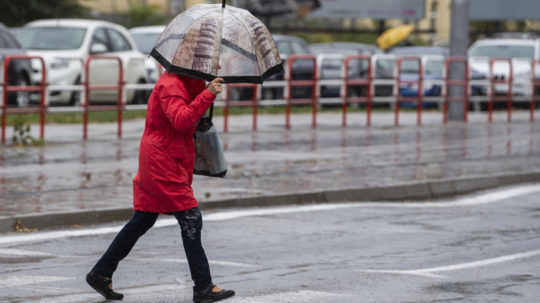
[(209, 157)]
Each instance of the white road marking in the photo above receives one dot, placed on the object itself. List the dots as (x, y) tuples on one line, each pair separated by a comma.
[(482, 199), (180, 260), (24, 253), (95, 297), (304, 296), (14, 281), (432, 272)]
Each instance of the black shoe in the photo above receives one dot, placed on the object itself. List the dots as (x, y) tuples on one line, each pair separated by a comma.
[(211, 294), (103, 285)]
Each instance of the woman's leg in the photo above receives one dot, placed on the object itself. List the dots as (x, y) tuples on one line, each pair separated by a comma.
[(191, 225), (124, 241)]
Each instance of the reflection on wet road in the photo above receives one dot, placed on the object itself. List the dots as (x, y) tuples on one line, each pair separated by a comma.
[(68, 175)]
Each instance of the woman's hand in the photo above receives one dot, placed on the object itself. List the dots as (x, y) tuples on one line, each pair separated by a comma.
[(215, 86)]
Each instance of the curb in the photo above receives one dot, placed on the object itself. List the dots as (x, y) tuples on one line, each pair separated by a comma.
[(417, 191)]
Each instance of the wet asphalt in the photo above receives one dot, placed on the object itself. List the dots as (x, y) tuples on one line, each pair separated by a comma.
[(68, 174), (481, 248)]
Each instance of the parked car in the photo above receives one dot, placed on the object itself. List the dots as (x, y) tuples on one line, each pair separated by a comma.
[(19, 71), (432, 60), (145, 38), (66, 43), (330, 63), (520, 51)]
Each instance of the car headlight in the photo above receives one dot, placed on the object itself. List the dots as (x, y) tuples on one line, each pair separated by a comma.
[(59, 63)]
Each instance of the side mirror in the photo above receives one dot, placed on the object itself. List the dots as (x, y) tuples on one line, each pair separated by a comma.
[(98, 48)]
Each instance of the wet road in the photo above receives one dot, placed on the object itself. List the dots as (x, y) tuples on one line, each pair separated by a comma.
[(481, 248), (69, 175)]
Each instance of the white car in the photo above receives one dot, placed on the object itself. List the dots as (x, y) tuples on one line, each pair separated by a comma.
[(66, 44), (145, 38), (520, 51)]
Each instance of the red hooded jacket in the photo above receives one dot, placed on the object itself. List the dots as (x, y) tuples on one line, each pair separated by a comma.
[(167, 149)]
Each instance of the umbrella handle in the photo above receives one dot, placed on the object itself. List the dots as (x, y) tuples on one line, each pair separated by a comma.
[(223, 3), (211, 113)]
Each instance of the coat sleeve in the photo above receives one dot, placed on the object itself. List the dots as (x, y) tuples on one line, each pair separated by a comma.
[(183, 116)]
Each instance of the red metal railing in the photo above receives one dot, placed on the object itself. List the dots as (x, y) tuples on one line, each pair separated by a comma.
[(493, 82), (450, 83), (418, 83), (368, 99), (298, 83), (42, 88), (228, 103), (88, 88), (534, 83)]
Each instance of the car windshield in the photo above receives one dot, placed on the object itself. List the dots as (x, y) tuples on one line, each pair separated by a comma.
[(145, 41), (50, 37), (503, 51)]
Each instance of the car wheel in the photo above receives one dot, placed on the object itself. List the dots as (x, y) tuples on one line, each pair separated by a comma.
[(22, 99), (76, 96), (140, 96)]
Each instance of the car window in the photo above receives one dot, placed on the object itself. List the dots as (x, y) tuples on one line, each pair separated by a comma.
[(299, 48), (100, 36), (503, 51), (118, 42), (284, 48), (145, 41), (51, 37), (4, 43)]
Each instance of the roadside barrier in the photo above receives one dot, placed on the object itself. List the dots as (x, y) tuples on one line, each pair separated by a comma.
[(496, 81), (348, 82), (535, 83), (449, 83), (418, 83), (88, 87), (31, 88), (301, 83), (228, 103)]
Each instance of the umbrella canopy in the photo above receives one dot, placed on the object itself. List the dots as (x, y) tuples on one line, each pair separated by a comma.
[(214, 40), (394, 36)]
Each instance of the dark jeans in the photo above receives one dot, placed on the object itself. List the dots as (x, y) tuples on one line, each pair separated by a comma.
[(191, 225)]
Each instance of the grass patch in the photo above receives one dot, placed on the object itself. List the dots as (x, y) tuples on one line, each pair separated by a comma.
[(110, 116)]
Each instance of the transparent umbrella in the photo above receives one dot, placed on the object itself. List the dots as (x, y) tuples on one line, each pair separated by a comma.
[(215, 40)]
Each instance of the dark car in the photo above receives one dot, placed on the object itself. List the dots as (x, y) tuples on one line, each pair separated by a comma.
[(19, 70), (301, 70), (331, 65)]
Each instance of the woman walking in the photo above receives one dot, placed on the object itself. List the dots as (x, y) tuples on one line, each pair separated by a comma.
[(163, 183)]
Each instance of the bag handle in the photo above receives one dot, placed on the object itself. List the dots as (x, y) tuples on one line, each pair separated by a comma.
[(211, 113)]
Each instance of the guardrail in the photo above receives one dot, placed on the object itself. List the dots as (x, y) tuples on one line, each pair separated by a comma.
[(357, 72), (366, 82), (291, 84), (88, 87), (498, 80), (420, 89), (32, 88)]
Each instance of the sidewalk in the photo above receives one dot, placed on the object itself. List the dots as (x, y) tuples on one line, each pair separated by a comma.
[(68, 175)]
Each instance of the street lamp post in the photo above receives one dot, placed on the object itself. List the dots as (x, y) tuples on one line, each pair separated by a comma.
[(459, 44)]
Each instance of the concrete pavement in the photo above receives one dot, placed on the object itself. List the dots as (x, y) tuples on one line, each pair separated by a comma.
[(69, 182)]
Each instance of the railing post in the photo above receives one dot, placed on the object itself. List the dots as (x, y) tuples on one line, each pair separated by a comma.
[(255, 106), (493, 82), (4, 98), (226, 110), (294, 83), (119, 87)]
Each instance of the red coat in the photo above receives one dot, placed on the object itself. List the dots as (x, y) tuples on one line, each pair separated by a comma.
[(167, 150)]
